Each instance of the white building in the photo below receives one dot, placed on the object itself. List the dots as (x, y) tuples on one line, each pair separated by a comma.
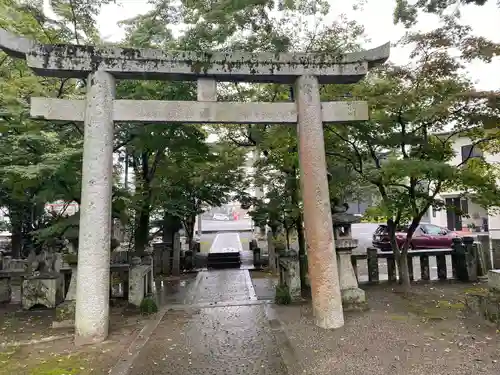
[(478, 216)]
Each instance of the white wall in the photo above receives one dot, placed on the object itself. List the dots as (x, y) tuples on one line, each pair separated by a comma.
[(439, 217)]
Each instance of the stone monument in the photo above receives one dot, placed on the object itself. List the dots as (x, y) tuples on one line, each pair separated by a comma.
[(100, 66), (353, 298), (43, 283)]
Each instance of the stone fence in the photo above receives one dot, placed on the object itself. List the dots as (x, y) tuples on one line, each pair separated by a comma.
[(466, 260), (167, 259), (19, 284)]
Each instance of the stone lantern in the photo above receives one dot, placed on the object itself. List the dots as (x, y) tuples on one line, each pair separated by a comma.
[(353, 298)]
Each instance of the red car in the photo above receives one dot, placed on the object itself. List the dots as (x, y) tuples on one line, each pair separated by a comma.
[(426, 236)]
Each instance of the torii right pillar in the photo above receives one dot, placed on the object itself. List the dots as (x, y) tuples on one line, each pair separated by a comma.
[(321, 256)]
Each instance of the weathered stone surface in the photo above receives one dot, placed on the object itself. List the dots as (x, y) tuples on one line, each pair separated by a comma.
[(484, 239), (495, 252), (176, 262), (92, 297), (16, 282), (322, 261), (353, 297), (494, 280), (206, 91), (79, 61), (15, 45), (71, 293), (140, 283), (65, 315), (5, 291), (198, 112), (289, 270), (11, 264), (43, 290), (485, 305)]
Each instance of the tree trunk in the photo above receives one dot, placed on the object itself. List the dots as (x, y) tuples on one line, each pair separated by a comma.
[(287, 236), (16, 220), (171, 225), (397, 256), (141, 235), (401, 255), (294, 187), (189, 227), (404, 273), (302, 251)]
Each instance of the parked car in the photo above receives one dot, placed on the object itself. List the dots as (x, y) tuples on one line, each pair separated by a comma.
[(220, 217), (426, 236)]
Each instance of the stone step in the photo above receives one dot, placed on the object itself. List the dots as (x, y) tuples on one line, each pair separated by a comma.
[(224, 260)]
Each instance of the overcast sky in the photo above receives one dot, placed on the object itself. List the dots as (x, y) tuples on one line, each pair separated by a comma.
[(376, 17)]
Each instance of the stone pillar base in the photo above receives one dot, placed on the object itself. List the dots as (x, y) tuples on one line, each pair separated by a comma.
[(495, 250), (354, 299)]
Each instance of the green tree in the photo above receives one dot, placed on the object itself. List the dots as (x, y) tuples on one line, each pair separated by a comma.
[(175, 171), (39, 161), (208, 175), (406, 12), (449, 11), (405, 150)]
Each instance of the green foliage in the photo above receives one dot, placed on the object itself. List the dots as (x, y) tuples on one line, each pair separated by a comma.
[(470, 45), (280, 242), (148, 306), (40, 162), (405, 151), (282, 296)]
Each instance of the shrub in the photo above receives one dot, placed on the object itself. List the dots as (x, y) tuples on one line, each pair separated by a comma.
[(148, 306), (282, 296)]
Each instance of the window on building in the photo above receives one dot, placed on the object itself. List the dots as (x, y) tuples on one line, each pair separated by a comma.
[(470, 152), (433, 212)]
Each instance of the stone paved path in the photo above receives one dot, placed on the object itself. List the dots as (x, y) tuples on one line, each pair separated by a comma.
[(226, 242), (228, 334)]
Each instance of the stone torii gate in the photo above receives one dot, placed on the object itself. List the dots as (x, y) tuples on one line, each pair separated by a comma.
[(102, 65)]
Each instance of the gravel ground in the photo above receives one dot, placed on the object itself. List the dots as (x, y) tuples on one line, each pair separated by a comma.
[(421, 333)]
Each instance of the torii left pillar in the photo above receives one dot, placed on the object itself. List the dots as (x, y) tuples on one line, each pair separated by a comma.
[(92, 296)]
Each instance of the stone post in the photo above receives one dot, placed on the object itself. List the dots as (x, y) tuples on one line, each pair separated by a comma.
[(270, 252), (207, 90), (494, 231), (92, 295), (470, 258), (353, 297), (322, 260), (176, 262), (484, 239)]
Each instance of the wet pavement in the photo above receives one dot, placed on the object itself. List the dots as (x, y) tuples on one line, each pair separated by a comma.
[(174, 290), (222, 329), (226, 243)]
